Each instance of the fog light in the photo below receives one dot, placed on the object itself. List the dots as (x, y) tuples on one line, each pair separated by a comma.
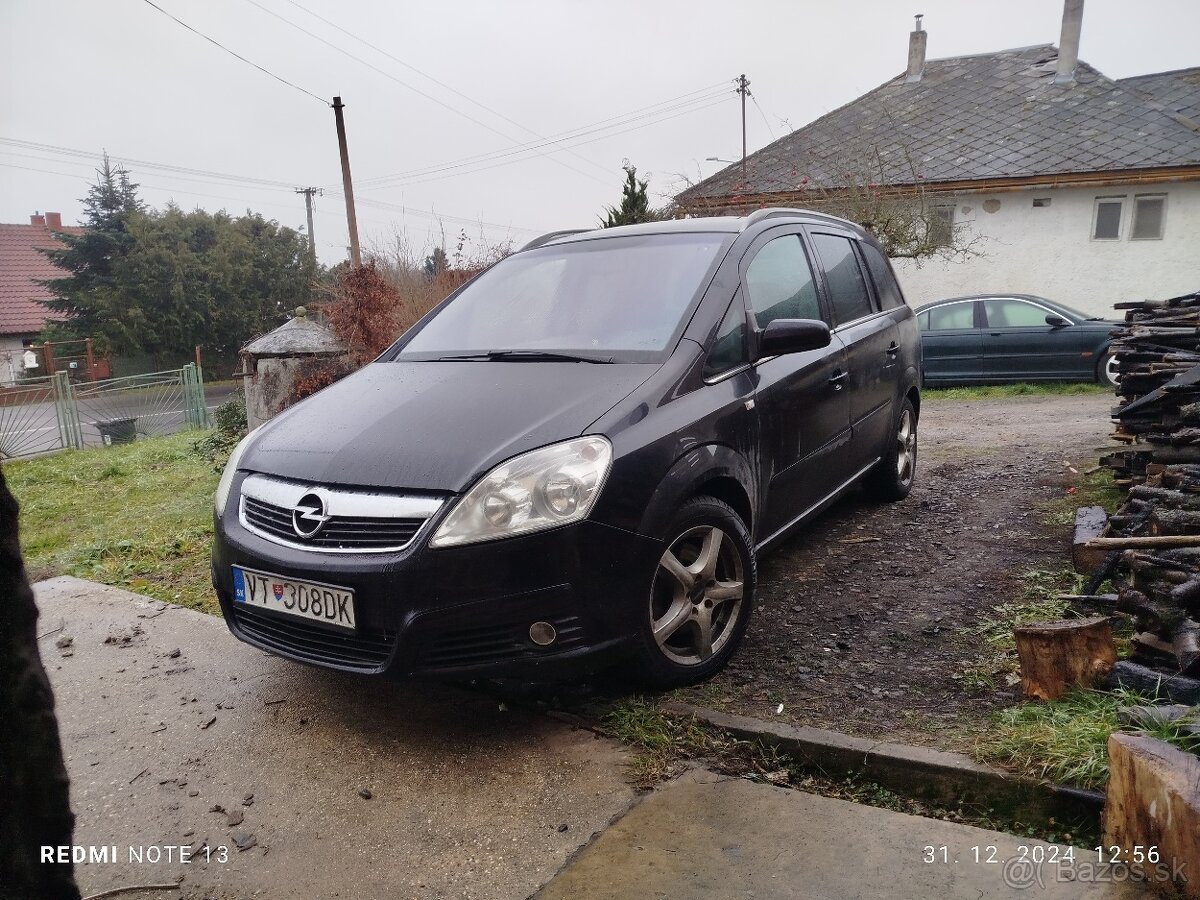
[(542, 634)]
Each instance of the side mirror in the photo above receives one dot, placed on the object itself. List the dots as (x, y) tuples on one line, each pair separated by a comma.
[(1056, 321), (793, 336)]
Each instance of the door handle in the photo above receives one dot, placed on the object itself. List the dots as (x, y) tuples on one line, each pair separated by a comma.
[(837, 379), (893, 349)]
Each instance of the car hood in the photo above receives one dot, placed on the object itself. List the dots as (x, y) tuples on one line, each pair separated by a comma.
[(435, 425)]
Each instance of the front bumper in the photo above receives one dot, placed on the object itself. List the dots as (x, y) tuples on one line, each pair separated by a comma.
[(456, 612)]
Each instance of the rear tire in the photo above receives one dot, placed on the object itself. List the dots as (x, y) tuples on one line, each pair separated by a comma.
[(1106, 370), (892, 479), (699, 598)]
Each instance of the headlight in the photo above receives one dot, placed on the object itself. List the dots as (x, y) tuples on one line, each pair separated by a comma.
[(226, 482), (537, 490)]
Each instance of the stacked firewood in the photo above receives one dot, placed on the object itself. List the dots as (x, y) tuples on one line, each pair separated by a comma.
[(1158, 358), (1154, 541), (1155, 536)]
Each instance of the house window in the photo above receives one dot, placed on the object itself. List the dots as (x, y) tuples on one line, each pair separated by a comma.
[(941, 225), (1149, 210), (1107, 223)]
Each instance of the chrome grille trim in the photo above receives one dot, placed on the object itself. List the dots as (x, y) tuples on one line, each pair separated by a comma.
[(360, 521)]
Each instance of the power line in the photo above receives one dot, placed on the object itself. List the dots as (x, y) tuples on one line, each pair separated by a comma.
[(764, 117), (426, 75), (234, 53), (91, 156), (402, 83), (494, 165), (571, 135), (379, 204)]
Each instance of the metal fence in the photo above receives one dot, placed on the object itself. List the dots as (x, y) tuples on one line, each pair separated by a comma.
[(41, 415)]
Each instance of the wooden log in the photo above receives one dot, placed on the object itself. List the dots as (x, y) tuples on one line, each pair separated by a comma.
[(1057, 656), (1153, 800), (1090, 522), (1164, 497), (1174, 521), (1162, 540), (1185, 638), (1149, 613), (1187, 594), (1154, 683)]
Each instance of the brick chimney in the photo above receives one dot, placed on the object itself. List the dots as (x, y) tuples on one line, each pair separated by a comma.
[(917, 40), (1068, 42), (37, 219), (54, 220)]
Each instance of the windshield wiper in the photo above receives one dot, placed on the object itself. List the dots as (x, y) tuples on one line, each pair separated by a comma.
[(530, 356)]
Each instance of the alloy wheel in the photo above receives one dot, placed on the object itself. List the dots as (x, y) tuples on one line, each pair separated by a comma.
[(697, 595), (906, 447), (1111, 372)]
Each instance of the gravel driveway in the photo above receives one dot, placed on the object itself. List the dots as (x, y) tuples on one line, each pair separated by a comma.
[(866, 616)]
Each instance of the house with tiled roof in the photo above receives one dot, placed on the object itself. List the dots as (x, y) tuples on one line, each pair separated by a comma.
[(23, 268), (1066, 183)]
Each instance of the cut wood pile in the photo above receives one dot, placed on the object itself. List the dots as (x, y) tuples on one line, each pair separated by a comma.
[(1158, 358), (1153, 540)]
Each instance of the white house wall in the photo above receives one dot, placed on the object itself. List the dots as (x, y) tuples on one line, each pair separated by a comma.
[(1049, 250)]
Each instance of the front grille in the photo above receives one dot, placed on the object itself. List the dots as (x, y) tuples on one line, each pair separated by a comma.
[(490, 643), (338, 533), (365, 650)]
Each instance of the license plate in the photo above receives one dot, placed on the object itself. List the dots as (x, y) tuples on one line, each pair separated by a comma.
[(303, 599)]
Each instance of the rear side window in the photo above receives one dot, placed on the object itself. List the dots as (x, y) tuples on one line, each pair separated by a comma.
[(780, 282), (886, 288), (956, 315), (847, 286), (1013, 314)]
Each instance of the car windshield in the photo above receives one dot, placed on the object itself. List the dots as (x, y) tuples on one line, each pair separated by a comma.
[(620, 298)]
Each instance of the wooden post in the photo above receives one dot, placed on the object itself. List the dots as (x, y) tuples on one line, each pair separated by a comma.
[(1057, 656), (91, 360), (48, 356), (347, 183)]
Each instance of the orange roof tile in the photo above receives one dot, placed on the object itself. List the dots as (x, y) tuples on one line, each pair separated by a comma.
[(22, 267)]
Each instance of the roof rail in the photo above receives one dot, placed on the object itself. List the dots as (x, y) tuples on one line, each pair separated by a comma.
[(550, 236), (774, 212)]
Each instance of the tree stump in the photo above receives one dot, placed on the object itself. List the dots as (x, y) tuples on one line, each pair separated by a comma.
[(1153, 800), (1057, 656)]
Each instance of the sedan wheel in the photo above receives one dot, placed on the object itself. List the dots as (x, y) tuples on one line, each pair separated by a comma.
[(700, 598), (1109, 370)]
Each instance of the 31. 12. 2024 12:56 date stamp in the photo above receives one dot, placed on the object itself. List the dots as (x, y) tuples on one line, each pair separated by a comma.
[(1037, 865)]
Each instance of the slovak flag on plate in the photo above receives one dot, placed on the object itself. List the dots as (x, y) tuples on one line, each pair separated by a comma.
[(277, 590)]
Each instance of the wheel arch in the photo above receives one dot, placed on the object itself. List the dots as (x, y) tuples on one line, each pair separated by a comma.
[(714, 470)]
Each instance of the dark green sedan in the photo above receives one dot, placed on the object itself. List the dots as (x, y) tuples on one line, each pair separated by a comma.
[(1013, 337)]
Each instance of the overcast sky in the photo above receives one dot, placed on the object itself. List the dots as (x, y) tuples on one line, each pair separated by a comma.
[(651, 82)]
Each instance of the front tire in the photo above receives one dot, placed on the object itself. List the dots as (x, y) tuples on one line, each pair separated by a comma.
[(700, 596), (892, 479)]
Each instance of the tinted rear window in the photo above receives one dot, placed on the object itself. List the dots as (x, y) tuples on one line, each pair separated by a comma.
[(881, 273), (847, 287), (625, 297)]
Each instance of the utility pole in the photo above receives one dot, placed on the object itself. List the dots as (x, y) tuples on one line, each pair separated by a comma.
[(347, 185), (312, 238), (743, 88)]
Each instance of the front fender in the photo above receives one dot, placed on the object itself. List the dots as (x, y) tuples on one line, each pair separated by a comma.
[(688, 476)]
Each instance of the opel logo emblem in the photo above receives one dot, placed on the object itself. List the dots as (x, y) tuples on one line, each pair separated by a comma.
[(309, 516)]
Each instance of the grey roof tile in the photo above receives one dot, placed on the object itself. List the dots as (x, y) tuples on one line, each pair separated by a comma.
[(988, 116)]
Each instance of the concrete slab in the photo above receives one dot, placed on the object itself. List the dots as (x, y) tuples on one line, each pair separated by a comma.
[(705, 837), (164, 715)]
